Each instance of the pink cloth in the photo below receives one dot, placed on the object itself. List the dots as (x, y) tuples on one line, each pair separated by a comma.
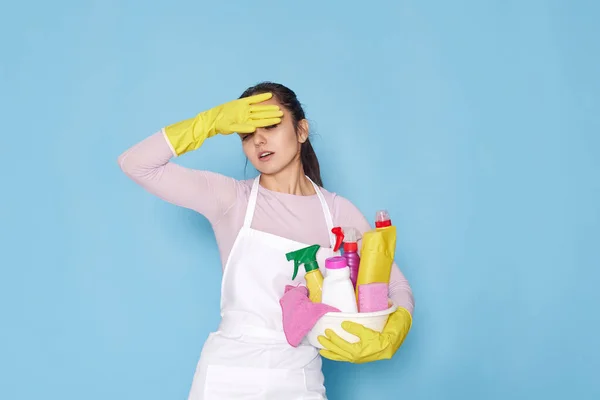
[(300, 314), (223, 200)]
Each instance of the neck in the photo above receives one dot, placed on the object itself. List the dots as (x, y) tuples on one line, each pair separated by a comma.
[(290, 180)]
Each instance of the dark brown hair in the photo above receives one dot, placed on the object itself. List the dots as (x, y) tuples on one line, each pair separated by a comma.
[(287, 98)]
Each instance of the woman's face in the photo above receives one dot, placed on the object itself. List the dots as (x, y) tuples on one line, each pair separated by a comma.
[(272, 149)]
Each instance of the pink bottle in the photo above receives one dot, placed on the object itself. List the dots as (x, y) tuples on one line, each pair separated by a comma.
[(350, 237)]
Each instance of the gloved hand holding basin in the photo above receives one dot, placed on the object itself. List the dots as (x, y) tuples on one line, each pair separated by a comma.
[(335, 321)]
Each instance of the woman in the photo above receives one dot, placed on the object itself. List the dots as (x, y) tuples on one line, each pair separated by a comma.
[(256, 222)]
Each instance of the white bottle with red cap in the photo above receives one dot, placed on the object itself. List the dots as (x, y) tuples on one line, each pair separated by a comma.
[(338, 290)]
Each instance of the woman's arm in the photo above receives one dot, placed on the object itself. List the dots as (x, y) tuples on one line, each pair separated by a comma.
[(148, 163), (212, 195), (346, 214)]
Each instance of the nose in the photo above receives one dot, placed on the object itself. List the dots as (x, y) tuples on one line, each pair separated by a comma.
[(259, 137)]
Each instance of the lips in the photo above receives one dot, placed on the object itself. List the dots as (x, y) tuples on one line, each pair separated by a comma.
[(265, 155)]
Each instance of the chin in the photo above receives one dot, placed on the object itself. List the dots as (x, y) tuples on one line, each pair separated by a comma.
[(267, 168), (268, 171)]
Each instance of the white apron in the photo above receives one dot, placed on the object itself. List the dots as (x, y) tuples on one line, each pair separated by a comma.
[(248, 357)]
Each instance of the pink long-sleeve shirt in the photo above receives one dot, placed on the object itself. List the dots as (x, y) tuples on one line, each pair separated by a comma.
[(223, 201)]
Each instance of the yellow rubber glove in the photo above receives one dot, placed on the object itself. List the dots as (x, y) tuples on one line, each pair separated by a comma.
[(239, 115), (372, 345)]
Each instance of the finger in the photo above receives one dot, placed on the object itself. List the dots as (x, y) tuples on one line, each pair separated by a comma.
[(357, 330), (266, 114), (243, 128), (342, 344), (257, 98), (257, 109), (261, 123), (332, 356), (331, 347)]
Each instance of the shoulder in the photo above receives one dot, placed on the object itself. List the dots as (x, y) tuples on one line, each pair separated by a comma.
[(244, 187), (219, 182), (337, 202), (344, 212), (235, 206)]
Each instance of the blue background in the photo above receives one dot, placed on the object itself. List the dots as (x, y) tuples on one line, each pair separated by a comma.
[(475, 123)]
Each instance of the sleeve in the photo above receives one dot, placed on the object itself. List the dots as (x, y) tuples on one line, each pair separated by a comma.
[(347, 214), (148, 163)]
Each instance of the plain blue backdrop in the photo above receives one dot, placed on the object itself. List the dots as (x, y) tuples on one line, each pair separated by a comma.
[(476, 123)]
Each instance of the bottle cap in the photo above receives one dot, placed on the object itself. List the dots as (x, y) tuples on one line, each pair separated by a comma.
[(382, 219), (350, 247), (352, 235), (335, 263)]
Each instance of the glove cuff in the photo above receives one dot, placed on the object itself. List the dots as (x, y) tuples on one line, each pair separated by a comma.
[(189, 134)]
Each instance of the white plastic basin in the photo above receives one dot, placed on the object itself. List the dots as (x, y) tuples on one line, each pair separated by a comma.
[(333, 320)]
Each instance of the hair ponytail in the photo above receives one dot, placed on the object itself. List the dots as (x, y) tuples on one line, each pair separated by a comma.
[(310, 163)]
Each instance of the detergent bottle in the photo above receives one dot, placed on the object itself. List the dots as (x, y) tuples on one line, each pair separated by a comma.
[(350, 237), (383, 224), (377, 252), (313, 277), (338, 291)]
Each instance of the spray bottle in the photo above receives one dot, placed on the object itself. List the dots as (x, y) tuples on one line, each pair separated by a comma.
[(350, 237), (313, 276)]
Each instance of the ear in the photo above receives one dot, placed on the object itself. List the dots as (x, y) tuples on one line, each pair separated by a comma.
[(302, 131)]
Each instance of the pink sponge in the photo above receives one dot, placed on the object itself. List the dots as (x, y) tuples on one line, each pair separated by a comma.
[(372, 297)]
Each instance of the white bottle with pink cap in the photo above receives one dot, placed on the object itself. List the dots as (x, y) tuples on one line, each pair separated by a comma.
[(338, 290)]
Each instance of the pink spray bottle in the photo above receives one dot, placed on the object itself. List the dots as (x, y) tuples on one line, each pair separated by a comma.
[(350, 238)]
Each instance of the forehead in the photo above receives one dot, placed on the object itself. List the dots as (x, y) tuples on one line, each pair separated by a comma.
[(272, 101)]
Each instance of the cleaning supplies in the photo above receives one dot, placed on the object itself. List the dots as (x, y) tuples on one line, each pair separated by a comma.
[(349, 236), (241, 115), (338, 291), (313, 276), (377, 253), (299, 313)]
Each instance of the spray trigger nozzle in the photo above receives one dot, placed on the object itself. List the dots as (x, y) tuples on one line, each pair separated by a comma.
[(306, 256), (348, 235), (339, 237)]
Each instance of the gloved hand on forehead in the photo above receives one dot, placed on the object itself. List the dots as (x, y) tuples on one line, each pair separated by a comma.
[(242, 116)]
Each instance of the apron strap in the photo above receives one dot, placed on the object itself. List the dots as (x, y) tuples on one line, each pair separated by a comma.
[(251, 203), (252, 206), (328, 218)]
